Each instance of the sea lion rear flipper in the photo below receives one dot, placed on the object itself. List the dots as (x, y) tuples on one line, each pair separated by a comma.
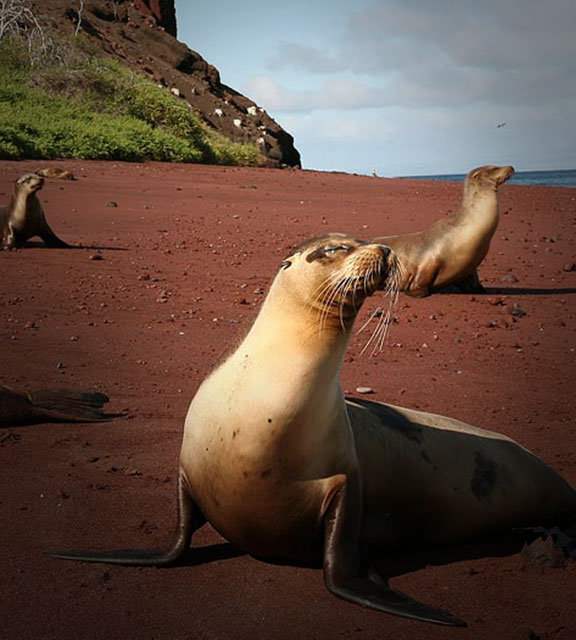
[(71, 406), (190, 518), (344, 574), (51, 239)]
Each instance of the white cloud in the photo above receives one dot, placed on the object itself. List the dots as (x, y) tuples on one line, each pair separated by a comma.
[(303, 57), (445, 53), (333, 93)]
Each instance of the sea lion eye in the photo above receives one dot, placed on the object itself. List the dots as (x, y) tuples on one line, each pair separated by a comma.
[(330, 251)]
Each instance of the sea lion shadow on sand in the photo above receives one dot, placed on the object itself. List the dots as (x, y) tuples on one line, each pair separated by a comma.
[(36, 244), (526, 291), (215, 552)]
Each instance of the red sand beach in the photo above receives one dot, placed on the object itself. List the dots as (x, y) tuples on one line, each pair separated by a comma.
[(186, 255)]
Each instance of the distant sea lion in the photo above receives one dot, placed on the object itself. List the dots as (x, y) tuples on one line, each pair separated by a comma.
[(449, 251), (283, 466), (19, 408), (54, 172), (24, 217)]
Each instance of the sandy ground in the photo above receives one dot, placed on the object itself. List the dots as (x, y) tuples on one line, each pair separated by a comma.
[(187, 253)]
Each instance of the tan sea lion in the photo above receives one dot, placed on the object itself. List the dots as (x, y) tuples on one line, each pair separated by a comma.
[(285, 468), (19, 408), (55, 173), (24, 217), (449, 251)]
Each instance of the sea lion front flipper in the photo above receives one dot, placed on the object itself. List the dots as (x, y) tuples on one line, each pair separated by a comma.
[(344, 574), (470, 284), (190, 518), (51, 239)]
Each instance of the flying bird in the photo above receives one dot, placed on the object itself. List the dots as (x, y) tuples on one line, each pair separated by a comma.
[(502, 124)]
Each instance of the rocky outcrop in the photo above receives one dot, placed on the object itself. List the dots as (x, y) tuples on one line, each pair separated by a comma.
[(141, 34), (164, 11)]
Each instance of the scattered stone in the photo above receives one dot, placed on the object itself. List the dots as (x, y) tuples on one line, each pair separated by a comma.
[(509, 277), (517, 312), (364, 390), (569, 266), (96, 256), (131, 471), (543, 552), (112, 204)]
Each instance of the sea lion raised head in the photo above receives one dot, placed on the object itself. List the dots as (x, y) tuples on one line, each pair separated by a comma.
[(334, 274), (28, 183), (449, 251), (490, 175)]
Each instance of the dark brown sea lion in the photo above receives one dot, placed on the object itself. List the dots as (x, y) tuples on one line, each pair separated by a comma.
[(450, 250), (24, 217), (283, 466)]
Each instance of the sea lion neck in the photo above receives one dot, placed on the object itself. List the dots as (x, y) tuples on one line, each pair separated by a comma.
[(480, 200), (287, 323)]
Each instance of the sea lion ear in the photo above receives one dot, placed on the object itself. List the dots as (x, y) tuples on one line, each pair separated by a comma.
[(286, 264)]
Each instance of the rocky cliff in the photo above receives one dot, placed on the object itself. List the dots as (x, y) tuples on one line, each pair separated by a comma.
[(142, 35)]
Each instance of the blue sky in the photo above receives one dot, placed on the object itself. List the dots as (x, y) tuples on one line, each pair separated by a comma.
[(402, 87)]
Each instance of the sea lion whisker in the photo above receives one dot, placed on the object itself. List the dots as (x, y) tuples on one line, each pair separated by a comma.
[(329, 298), (380, 332), (393, 299), (372, 336)]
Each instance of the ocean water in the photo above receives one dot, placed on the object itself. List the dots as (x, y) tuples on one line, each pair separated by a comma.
[(562, 178)]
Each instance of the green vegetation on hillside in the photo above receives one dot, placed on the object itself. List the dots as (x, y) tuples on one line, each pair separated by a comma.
[(77, 105)]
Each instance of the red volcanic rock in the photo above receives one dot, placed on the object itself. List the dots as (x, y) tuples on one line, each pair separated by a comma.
[(163, 10), (141, 36)]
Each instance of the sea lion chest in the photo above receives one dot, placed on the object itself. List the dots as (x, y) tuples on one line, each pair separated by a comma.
[(27, 216), (263, 460)]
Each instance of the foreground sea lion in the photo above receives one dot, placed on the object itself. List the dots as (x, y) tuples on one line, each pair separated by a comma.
[(24, 217), (450, 250), (19, 408), (285, 468)]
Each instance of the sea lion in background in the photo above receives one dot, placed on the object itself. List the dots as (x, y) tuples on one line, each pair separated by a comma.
[(24, 217), (55, 173), (50, 405), (277, 460), (449, 251)]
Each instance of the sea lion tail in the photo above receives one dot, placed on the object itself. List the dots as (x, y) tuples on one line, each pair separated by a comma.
[(190, 518), (71, 406)]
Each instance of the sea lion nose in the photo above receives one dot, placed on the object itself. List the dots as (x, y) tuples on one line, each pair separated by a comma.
[(386, 251)]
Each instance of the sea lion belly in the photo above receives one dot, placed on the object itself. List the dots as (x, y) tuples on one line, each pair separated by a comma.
[(263, 478)]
